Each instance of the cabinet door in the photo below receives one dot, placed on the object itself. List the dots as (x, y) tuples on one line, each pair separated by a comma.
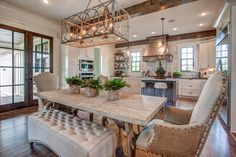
[(90, 53), (203, 55), (211, 54)]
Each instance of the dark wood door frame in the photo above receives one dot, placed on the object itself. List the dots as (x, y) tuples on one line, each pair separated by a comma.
[(28, 94)]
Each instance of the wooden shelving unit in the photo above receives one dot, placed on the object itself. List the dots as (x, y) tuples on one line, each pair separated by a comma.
[(121, 64)]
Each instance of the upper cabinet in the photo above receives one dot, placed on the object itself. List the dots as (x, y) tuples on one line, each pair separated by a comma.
[(86, 53), (207, 54)]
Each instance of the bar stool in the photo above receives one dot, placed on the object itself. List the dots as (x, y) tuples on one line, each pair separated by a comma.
[(161, 87), (162, 90)]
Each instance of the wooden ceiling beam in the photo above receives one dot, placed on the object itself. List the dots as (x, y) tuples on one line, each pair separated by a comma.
[(208, 33), (150, 6)]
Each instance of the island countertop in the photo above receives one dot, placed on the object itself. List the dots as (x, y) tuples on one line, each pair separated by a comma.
[(144, 79)]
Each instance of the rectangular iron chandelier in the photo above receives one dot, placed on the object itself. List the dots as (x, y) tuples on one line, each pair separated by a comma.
[(103, 24)]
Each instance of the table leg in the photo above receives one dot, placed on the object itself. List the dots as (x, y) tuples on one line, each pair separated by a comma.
[(130, 136), (41, 104)]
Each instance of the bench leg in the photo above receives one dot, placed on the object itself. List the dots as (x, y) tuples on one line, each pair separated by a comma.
[(31, 145)]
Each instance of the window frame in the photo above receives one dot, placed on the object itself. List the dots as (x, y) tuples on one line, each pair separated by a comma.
[(132, 58), (181, 59), (220, 58)]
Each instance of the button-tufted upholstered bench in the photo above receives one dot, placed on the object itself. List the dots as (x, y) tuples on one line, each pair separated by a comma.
[(69, 136)]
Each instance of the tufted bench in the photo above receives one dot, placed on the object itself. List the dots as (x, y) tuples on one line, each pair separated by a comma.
[(69, 136)]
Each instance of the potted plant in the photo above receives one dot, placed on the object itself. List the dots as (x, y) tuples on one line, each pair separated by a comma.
[(177, 74), (113, 87), (74, 82), (92, 87), (160, 71)]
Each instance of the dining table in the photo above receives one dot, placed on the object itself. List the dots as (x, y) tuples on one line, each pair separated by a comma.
[(131, 109)]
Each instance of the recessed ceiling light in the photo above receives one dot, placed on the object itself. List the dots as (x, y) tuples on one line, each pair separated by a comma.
[(153, 33), (175, 29), (45, 1), (201, 24), (135, 36), (203, 14)]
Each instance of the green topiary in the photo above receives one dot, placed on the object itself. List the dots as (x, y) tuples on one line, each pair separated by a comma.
[(93, 83), (74, 80), (177, 74), (115, 84), (160, 71)]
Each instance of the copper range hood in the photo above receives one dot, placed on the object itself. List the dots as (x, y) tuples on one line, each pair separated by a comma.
[(157, 49)]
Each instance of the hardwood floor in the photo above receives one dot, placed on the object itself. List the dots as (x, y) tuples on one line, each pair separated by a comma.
[(13, 141)]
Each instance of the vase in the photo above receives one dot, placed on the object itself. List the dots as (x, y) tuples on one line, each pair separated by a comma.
[(74, 89), (91, 92), (113, 95)]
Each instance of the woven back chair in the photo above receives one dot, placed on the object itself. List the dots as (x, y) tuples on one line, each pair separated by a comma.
[(183, 133)]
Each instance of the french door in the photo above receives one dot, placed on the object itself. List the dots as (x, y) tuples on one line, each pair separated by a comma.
[(23, 55)]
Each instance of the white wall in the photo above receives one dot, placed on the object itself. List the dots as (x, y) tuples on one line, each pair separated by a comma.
[(233, 70), (174, 49), (107, 59), (16, 17)]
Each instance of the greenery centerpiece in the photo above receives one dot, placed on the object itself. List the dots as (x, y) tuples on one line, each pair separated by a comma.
[(177, 74), (92, 87), (160, 71), (113, 87), (74, 82)]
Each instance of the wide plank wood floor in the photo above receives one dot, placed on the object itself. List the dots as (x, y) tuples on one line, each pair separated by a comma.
[(13, 141)]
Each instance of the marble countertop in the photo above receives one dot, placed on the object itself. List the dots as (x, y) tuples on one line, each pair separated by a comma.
[(169, 79), (161, 80)]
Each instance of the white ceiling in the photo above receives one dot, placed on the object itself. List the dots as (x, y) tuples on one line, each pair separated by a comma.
[(59, 9), (187, 17)]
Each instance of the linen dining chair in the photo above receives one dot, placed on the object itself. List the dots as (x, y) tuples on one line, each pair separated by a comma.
[(44, 82), (183, 133), (103, 78), (135, 85)]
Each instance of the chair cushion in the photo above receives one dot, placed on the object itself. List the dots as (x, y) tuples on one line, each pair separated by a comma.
[(69, 136), (207, 101)]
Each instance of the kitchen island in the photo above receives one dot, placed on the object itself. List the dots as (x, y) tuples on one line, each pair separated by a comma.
[(171, 92)]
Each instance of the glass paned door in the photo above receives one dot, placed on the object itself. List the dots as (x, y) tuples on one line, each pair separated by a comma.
[(12, 67), (41, 57)]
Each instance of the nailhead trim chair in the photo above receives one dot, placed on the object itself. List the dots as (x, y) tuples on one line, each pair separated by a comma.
[(183, 133)]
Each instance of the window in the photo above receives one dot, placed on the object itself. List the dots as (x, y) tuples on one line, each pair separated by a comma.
[(187, 59), (135, 62), (222, 57)]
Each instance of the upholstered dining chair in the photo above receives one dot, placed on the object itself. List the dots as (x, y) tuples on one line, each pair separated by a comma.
[(44, 82), (183, 133), (103, 78), (135, 85)]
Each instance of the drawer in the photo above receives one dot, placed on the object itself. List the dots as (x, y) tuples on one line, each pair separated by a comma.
[(192, 85), (191, 92)]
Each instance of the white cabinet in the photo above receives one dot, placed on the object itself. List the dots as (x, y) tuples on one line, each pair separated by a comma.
[(190, 87), (207, 54), (86, 53)]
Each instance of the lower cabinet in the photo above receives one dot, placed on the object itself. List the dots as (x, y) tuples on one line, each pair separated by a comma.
[(190, 87)]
